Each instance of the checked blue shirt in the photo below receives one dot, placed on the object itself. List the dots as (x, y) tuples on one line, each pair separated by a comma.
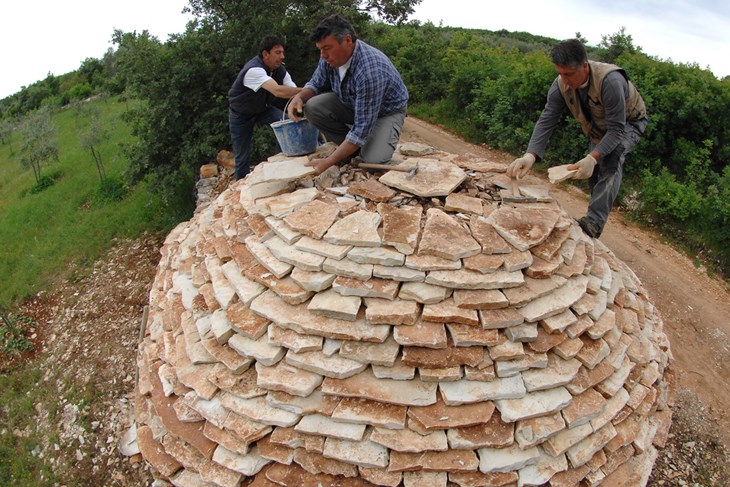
[(372, 88)]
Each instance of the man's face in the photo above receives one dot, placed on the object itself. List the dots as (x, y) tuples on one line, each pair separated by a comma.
[(571, 76), (336, 53), (274, 58)]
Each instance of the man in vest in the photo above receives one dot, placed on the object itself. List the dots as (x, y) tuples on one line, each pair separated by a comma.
[(356, 97), (260, 86), (611, 113)]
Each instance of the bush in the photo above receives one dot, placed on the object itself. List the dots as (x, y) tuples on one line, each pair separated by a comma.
[(663, 197), (43, 183), (110, 190)]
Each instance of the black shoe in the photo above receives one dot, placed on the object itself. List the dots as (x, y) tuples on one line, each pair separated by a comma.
[(590, 228)]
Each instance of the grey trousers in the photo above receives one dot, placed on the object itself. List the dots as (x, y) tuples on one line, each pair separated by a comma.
[(334, 120), (606, 179)]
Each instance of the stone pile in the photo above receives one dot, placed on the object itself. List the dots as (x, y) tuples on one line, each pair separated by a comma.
[(395, 331)]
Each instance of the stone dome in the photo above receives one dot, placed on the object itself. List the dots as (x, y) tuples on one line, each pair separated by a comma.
[(427, 329)]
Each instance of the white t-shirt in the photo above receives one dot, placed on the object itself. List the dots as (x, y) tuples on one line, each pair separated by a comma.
[(255, 77)]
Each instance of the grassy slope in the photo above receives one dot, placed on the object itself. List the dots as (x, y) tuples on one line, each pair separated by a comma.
[(43, 235)]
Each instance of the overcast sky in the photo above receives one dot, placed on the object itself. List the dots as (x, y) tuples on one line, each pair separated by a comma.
[(682, 31), (42, 36)]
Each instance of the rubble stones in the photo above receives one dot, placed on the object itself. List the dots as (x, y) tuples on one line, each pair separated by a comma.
[(395, 331)]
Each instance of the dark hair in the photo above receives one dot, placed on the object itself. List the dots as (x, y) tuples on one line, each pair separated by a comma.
[(334, 25), (269, 42), (570, 52)]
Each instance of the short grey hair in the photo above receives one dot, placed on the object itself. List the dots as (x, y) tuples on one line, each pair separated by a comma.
[(570, 52)]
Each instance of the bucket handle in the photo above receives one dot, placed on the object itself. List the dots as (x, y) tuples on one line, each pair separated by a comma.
[(284, 113)]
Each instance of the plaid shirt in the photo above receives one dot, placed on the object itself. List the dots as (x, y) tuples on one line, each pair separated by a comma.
[(372, 88)]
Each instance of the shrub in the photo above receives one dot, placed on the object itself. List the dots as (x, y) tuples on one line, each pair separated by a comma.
[(666, 198)]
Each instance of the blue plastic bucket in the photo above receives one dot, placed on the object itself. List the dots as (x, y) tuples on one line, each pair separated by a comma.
[(296, 138)]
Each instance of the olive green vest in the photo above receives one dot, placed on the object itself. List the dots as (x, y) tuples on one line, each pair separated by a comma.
[(595, 130)]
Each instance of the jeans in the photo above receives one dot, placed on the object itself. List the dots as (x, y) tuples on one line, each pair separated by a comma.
[(241, 127)]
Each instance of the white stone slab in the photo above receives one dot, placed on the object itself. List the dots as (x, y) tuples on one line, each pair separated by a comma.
[(467, 391), (359, 228), (333, 366), (246, 289), (291, 255), (316, 424), (533, 404)]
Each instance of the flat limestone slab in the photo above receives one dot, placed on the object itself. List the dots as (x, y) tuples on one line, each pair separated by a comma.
[(281, 171), (401, 226), (524, 227), (444, 237), (467, 392), (359, 228), (378, 414), (534, 404), (313, 219), (406, 440), (557, 174), (433, 178), (365, 384), (334, 366), (301, 320), (361, 453), (286, 378)]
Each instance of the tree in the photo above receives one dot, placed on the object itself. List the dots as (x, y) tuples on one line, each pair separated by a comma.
[(184, 82), (93, 135), (38, 141), (616, 44), (7, 127)]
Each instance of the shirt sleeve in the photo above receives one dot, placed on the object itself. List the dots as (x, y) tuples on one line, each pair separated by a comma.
[(319, 83), (547, 122), (614, 91), (370, 91), (255, 77), (288, 81)]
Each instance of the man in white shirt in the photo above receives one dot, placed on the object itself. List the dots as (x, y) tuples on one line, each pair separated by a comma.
[(260, 86)]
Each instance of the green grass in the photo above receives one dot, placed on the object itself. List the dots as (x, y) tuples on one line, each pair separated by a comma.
[(20, 465), (52, 232), (72, 222)]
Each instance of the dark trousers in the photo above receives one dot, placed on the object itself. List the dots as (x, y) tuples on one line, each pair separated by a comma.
[(607, 175), (241, 127)]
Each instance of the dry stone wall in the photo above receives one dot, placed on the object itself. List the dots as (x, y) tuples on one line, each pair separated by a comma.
[(380, 329)]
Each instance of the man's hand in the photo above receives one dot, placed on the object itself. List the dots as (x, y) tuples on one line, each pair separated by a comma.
[(320, 165), (295, 109), (521, 166), (584, 167)]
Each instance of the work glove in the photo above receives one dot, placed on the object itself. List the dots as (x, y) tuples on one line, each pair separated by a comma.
[(521, 166), (584, 167)]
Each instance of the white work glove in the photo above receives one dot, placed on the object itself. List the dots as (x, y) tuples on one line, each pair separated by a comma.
[(521, 166), (584, 167)]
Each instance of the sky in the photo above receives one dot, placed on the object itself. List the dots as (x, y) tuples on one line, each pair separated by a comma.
[(42, 36), (683, 31)]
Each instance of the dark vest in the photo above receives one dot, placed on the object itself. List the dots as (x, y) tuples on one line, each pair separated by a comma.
[(245, 101), (595, 127)]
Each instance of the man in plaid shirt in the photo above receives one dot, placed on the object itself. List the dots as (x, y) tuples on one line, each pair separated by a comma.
[(356, 96)]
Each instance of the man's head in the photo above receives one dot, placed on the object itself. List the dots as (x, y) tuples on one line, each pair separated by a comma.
[(272, 50), (571, 62), (335, 38)]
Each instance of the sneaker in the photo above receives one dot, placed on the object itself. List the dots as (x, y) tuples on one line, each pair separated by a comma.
[(590, 228)]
